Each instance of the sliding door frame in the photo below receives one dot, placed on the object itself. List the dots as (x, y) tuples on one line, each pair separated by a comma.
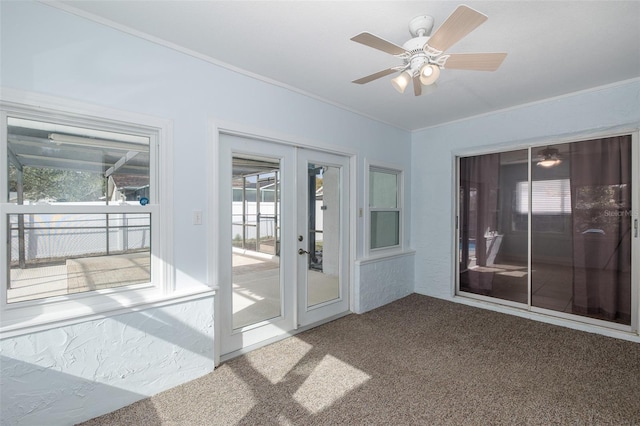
[(634, 327), (635, 229)]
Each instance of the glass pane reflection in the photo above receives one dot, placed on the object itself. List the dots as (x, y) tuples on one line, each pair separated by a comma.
[(256, 240), (323, 282), (493, 225)]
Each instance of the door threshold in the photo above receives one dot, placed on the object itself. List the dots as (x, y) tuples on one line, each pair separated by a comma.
[(246, 350)]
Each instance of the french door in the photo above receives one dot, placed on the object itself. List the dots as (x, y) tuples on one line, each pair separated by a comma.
[(284, 240), (554, 229)]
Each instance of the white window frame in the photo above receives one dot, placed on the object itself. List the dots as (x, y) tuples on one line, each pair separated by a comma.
[(399, 172), (34, 315)]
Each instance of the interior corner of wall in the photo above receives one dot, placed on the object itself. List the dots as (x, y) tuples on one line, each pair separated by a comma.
[(356, 307)]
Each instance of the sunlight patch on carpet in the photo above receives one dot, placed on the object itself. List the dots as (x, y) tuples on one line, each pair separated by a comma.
[(330, 380), (274, 363), (234, 400)]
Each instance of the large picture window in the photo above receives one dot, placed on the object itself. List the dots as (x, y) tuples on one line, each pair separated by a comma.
[(81, 214), (56, 170)]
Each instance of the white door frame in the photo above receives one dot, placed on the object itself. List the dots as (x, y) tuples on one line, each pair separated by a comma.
[(308, 315), (219, 253)]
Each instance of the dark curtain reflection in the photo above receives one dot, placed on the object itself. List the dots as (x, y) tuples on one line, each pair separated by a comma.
[(479, 181), (601, 205)]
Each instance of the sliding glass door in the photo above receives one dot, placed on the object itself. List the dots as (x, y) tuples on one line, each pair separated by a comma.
[(581, 256), (551, 228), (493, 243)]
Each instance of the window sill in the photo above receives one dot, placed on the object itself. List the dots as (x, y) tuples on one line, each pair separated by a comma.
[(387, 254), (101, 307)]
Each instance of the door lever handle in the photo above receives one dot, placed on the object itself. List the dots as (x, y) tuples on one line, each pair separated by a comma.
[(635, 225), (301, 252)]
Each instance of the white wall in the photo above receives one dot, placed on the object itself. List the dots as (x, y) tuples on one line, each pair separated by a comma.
[(602, 109), (99, 365)]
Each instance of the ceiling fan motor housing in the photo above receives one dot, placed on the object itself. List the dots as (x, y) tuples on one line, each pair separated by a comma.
[(421, 25), (416, 54), (415, 45)]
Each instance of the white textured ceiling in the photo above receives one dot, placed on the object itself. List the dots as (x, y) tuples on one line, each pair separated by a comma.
[(554, 48)]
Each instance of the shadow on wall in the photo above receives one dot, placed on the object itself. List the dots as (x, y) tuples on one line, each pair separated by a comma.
[(27, 391), (71, 374)]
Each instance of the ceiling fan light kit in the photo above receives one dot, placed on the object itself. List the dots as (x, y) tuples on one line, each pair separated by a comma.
[(548, 157), (401, 82), (429, 73), (423, 56)]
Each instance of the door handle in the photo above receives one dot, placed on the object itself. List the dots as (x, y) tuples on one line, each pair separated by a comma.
[(635, 225), (301, 252)]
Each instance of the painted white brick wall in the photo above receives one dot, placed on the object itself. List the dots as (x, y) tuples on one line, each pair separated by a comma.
[(69, 374), (383, 280)]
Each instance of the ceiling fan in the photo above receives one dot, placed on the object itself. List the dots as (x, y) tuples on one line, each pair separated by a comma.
[(423, 56)]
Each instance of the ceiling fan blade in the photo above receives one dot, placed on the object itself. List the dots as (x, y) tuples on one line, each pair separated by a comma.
[(417, 86), (461, 22), (475, 61), (376, 42), (374, 76)]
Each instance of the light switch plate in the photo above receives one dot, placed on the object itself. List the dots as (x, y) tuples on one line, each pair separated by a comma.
[(197, 217)]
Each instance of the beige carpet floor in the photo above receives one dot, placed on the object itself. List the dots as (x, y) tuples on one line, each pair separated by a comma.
[(417, 361)]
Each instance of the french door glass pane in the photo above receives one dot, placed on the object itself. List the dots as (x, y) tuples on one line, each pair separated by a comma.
[(581, 229), (256, 242), (323, 274), (493, 245)]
